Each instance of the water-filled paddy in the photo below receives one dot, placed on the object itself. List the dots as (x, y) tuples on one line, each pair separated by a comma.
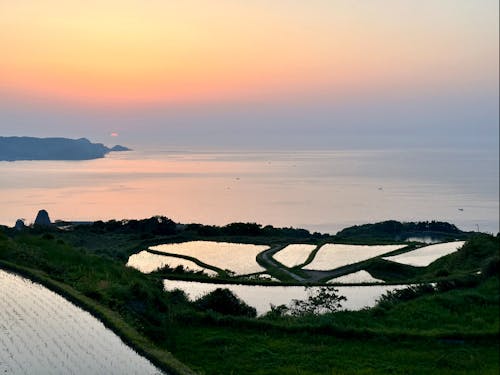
[(294, 254), (424, 256), (355, 278), (42, 333), (147, 262), (236, 257), (331, 256), (261, 297)]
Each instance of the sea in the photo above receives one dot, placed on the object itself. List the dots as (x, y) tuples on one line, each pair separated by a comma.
[(319, 190)]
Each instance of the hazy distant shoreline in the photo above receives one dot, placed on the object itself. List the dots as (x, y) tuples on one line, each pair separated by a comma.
[(31, 148)]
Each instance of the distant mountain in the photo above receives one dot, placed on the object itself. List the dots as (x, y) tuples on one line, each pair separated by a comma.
[(30, 148)]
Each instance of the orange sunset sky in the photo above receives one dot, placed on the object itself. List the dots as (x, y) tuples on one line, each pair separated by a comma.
[(230, 71), (141, 52), (169, 78)]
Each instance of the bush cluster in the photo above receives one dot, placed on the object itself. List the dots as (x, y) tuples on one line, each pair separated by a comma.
[(225, 302)]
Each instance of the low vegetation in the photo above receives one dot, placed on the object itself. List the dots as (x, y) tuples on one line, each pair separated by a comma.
[(224, 302), (451, 328), (392, 230), (325, 300)]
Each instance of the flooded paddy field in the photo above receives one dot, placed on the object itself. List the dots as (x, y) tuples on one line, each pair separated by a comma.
[(294, 255), (236, 257), (331, 256), (424, 256), (261, 297), (356, 278), (43, 333), (147, 262)]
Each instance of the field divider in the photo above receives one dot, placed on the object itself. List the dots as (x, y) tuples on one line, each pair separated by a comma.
[(275, 268), (220, 271)]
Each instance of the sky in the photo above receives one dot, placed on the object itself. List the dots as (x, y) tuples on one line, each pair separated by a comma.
[(235, 73)]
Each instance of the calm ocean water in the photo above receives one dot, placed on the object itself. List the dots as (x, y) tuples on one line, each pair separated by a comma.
[(318, 190)]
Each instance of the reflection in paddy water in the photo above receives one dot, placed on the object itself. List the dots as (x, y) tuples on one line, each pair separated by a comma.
[(261, 297), (43, 333), (236, 257), (424, 256), (147, 262)]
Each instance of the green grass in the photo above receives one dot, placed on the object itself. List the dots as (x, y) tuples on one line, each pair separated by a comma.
[(216, 350), (460, 312), (455, 332), (448, 332)]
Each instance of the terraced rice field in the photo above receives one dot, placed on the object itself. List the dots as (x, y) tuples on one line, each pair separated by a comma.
[(424, 256), (147, 262), (331, 256), (43, 333), (294, 255), (355, 278), (236, 257), (261, 297)]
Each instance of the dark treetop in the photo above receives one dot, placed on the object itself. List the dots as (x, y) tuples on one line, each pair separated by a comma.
[(29, 148)]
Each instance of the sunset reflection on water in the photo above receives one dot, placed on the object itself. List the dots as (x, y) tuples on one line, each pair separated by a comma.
[(318, 190)]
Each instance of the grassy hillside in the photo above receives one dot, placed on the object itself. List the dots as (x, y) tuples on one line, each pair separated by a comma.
[(451, 329)]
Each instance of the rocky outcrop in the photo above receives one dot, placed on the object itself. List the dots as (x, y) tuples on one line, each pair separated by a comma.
[(119, 148), (42, 218), (19, 224)]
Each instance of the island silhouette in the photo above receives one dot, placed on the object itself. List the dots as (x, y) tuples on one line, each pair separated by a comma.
[(31, 148)]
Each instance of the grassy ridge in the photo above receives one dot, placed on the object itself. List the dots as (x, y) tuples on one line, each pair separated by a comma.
[(92, 283), (235, 350)]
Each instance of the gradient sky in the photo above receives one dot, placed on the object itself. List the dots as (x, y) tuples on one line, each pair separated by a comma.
[(227, 72)]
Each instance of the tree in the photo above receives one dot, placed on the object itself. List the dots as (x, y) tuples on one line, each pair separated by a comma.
[(225, 302), (324, 300)]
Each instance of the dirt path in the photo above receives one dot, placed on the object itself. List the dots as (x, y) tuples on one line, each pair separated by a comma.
[(220, 271), (266, 260)]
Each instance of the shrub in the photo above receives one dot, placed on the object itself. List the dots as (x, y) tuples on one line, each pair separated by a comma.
[(225, 302), (48, 236), (177, 296), (413, 291), (467, 281), (277, 312), (443, 273), (326, 299), (492, 267)]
